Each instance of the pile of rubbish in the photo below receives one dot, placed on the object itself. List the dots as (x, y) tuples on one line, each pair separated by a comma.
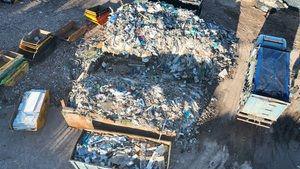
[(154, 29), (120, 151), (12, 66), (153, 65), (144, 96)]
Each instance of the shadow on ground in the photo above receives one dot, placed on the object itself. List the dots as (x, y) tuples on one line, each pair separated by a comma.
[(50, 147), (277, 24), (230, 10), (227, 143)]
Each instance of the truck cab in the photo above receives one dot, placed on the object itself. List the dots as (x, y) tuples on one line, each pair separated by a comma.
[(266, 93)]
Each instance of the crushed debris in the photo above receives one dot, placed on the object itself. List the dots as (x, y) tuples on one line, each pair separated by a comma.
[(142, 97), (107, 150), (154, 29), (167, 86)]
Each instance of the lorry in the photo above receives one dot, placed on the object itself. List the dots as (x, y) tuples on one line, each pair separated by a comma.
[(266, 93)]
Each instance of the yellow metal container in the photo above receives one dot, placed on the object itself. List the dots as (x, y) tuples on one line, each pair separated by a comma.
[(97, 14)]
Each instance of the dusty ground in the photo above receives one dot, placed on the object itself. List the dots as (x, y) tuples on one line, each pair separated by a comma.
[(222, 142)]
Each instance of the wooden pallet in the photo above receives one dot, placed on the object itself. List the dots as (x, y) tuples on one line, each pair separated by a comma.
[(249, 118), (71, 32)]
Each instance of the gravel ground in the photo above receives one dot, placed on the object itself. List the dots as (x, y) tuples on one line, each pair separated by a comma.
[(55, 73)]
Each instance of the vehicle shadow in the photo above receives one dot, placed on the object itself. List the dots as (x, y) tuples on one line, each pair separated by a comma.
[(189, 6), (229, 143), (287, 128), (295, 71), (226, 13)]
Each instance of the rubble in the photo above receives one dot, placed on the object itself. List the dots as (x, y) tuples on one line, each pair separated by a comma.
[(107, 150), (154, 29), (154, 67), (139, 97), (223, 74)]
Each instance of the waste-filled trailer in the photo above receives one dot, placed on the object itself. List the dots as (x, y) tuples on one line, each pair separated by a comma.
[(267, 85)]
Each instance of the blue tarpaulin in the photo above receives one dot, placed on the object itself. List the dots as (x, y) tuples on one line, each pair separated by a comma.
[(272, 75)]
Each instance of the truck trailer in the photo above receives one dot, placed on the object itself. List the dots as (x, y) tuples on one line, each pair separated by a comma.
[(266, 93)]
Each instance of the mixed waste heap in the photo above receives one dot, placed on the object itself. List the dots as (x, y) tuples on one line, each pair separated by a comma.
[(120, 151), (154, 29), (153, 65)]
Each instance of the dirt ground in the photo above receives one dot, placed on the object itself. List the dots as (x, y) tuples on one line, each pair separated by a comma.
[(222, 142)]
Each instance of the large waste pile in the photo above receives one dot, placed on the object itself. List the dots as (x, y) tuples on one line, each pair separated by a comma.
[(152, 29), (139, 94), (155, 67), (117, 151)]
